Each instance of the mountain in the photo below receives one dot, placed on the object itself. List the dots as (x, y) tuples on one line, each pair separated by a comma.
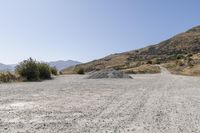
[(58, 64), (4, 67), (181, 45), (63, 64)]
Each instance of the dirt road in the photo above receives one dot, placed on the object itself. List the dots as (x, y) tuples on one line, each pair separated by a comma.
[(158, 103)]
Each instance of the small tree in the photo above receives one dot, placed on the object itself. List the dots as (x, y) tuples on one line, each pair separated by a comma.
[(28, 69)]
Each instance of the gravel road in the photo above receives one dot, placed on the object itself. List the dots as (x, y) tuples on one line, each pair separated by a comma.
[(157, 103)]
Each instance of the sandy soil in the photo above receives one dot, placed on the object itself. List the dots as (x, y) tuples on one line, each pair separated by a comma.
[(158, 103)]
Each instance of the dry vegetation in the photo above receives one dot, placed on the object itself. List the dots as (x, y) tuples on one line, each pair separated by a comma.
[(29, 70), (143, 69), (188, 65), (6, 77)]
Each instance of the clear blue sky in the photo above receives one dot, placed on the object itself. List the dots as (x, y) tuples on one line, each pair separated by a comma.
[(84, 30)]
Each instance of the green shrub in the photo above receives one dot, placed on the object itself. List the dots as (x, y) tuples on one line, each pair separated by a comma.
[(44, 71), (149, 62), (180, 56), (80, 71), (28, 69), (31, 70), (157, 61), (54, 70), (189, 55)]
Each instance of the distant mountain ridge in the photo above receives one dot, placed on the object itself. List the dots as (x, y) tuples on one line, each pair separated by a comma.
[(4, 67), (60, 64)]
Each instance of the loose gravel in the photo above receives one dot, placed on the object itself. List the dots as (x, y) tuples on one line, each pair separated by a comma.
[(157, 103)]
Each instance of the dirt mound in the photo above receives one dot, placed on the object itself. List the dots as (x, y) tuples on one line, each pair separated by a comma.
[(108, 73)]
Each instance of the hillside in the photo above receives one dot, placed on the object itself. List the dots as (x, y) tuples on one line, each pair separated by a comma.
[(169, 50)]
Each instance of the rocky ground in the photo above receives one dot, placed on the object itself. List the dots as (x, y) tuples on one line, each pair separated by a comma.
[(108, 73), (157, 103)]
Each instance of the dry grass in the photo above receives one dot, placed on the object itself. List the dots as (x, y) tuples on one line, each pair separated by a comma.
[(192, 71), (188, 66), (69, 70), (143, 69), (6, 77)]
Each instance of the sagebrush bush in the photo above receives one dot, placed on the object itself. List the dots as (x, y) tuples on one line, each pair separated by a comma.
[(28, 69), (54, 70), (44, 71)]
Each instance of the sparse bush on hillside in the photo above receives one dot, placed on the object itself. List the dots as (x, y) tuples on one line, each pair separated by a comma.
[(44, 70), (143, 69), (157, 61), (31, 70), (28, 69), (189, 55), (149, 62), (171, 57), (180, 56), (54, 70), (80, 71)]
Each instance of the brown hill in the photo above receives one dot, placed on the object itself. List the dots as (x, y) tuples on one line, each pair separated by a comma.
[(177, 47)]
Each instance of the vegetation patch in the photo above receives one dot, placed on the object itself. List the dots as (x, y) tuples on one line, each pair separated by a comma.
[(6, 77), (80, 71), (31, 70), (147, 68), (54, 71), (187, 65)]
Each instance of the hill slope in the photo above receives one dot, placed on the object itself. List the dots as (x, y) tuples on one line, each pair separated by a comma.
[(168, 50)]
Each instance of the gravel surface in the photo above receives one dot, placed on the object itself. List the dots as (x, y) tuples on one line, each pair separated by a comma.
[(157, 103)]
